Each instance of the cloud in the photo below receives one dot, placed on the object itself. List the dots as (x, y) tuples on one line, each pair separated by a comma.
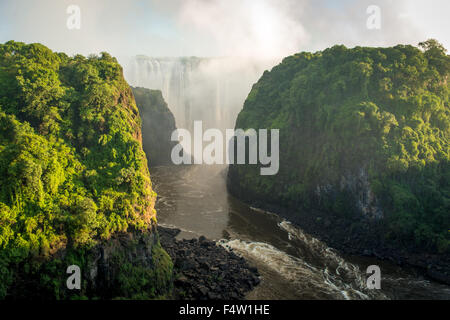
[(263, 29), (45, 21), (402, 21), (257, 28), (271, 28)]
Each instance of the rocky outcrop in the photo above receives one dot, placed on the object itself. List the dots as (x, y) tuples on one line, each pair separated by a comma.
[(158, 124), (206, 270), (115, 268)]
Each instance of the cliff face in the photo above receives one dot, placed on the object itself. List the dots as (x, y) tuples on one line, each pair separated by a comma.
[(129, 265), (158, 123), (356, 184), (73, 176), (364, 144)]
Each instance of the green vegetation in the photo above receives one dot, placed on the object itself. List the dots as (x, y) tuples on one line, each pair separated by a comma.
[(343, 114), (146, 281), (72, 169), (158, 123)]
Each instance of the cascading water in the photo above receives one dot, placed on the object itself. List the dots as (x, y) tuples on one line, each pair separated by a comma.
[(212, 90)]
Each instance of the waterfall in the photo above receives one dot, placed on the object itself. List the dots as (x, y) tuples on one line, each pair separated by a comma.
[(212, 90)]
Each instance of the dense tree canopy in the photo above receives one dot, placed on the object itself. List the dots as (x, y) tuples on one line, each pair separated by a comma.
[(381, 111), (72, 168)]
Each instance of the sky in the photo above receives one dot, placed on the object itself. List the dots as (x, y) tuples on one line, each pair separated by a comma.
[(251, 28)]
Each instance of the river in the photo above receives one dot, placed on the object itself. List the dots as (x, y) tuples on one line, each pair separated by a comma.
[(292, 264)]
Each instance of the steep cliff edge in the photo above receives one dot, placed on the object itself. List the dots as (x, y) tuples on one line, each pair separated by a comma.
[(74, 184), (158, 123), (364, 148)]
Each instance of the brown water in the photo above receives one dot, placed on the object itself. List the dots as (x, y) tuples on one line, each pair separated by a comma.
[(293, 265)]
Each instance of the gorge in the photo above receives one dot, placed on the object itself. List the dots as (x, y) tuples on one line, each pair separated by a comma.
[(293, 264), (87, 178)]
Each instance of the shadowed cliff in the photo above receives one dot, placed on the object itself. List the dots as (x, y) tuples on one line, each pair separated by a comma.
[(158, 123)]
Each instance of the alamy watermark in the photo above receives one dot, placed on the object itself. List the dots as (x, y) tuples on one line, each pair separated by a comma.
[(74, 20), (374, 20), (241, 147), (374, 280), (74, 280)]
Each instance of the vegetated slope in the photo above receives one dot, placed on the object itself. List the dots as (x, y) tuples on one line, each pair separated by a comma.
[(73, 180), (158, 123), (364, 138)]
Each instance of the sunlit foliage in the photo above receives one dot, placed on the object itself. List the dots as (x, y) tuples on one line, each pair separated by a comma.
[(381, 110), (72, 168)]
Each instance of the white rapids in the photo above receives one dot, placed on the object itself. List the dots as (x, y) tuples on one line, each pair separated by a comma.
[(326, 278)]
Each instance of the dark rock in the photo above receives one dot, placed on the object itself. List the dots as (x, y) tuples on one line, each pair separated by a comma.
[(207, 270), (158, 123)]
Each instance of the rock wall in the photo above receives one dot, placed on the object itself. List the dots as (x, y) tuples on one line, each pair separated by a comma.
[(158, 124)]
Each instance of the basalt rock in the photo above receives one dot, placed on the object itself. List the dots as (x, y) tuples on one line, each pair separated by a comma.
[(206, 270)]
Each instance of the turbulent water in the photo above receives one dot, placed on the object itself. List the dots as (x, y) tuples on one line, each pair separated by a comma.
[(293, 264)]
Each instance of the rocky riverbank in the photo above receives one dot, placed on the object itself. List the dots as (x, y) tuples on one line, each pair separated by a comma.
[(205, 270), (359, 237)]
